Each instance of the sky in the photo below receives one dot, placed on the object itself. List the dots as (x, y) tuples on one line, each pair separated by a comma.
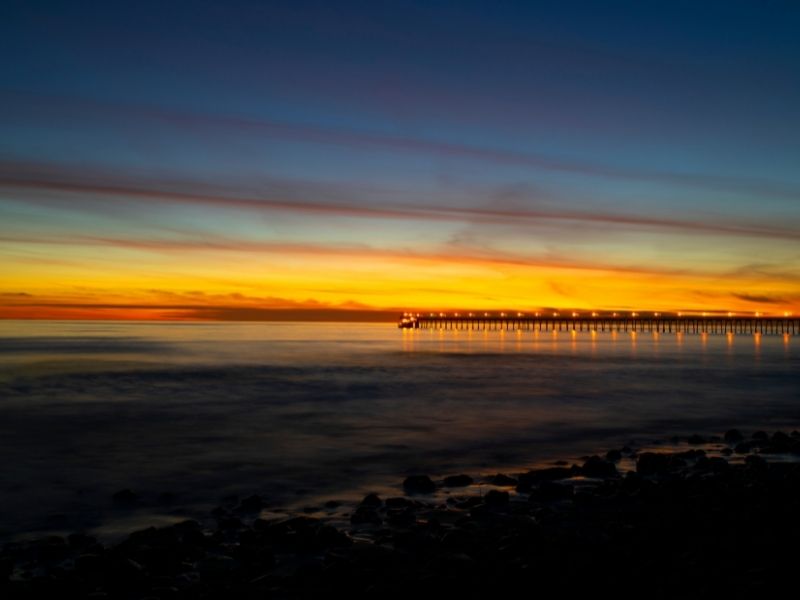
[(244, 159)]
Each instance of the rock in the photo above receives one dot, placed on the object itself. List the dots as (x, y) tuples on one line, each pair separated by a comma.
[(251, 504), (598, 468), (718, 464), (365, 515), (692, 454), (216, 567), (52, 548), (760, 436), (125, 498), (502, 480), (496, 498), (733, 436), (696, 440), (88, 564), (372, 501), (614, 455), (652, 463), (458, 480), (743, 448), (401, 516), (549, 491), (419, 484), (781, 442), (755, 461), (400, 502), (531, 478)]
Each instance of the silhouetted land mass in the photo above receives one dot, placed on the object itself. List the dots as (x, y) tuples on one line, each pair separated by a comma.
[(693, 523)]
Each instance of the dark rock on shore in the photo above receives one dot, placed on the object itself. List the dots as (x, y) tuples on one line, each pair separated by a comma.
[(686, 524), (502, 480), (458, 481), (598, 468), (419, 484), (733, 436)]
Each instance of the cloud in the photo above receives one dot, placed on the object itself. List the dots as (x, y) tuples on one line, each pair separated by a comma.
[(760, 299), (414, 145), (66, 181)]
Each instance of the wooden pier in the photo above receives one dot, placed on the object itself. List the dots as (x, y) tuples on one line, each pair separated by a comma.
[(654, 323)]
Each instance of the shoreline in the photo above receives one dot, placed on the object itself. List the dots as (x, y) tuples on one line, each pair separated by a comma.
[(439, 533)]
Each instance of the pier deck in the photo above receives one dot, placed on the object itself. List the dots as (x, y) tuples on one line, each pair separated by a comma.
[(788, 325)]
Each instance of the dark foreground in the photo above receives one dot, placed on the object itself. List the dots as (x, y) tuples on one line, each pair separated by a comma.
[(683, 524)]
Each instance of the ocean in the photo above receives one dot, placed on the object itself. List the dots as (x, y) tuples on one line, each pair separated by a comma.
[(190, 415)]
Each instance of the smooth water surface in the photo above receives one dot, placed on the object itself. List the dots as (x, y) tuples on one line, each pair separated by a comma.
[(185, 414)]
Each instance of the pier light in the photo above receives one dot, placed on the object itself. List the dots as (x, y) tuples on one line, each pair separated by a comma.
[(705, 314), (537, 314), (574, 315), (787, 314), (555, 314), (485, 314), (519, 314), (613, 314), (758, 314), (456, 314), (680, 314), (471, 314), (502, 314), (634, 314), (594, 314), (656, 314)]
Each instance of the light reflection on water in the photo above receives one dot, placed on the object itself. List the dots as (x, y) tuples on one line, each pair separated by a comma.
[(205, 410)]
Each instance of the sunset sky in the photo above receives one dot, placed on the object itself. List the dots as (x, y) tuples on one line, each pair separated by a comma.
[(219, 160)]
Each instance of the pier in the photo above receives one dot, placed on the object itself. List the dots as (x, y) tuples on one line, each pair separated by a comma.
[(618, 322)]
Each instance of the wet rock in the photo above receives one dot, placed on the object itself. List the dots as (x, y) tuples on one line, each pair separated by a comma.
[(330, 537), (755, 461), (365, 515), (400, 502), (496, 498), (599, 468), (733, 436), (52, 548), (372, 501), (89, 564), (125, 497), (549, 491), (502, 480), (652, 463), (692, 454), (532, 478), (251, 504), (458, 480), (216, 567), (419, 484), (6, 567), (401, 517)]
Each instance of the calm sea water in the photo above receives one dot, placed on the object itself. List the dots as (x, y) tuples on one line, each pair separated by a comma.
[(187, 414)]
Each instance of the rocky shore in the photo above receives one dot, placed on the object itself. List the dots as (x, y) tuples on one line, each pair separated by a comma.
[(704, 517)]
